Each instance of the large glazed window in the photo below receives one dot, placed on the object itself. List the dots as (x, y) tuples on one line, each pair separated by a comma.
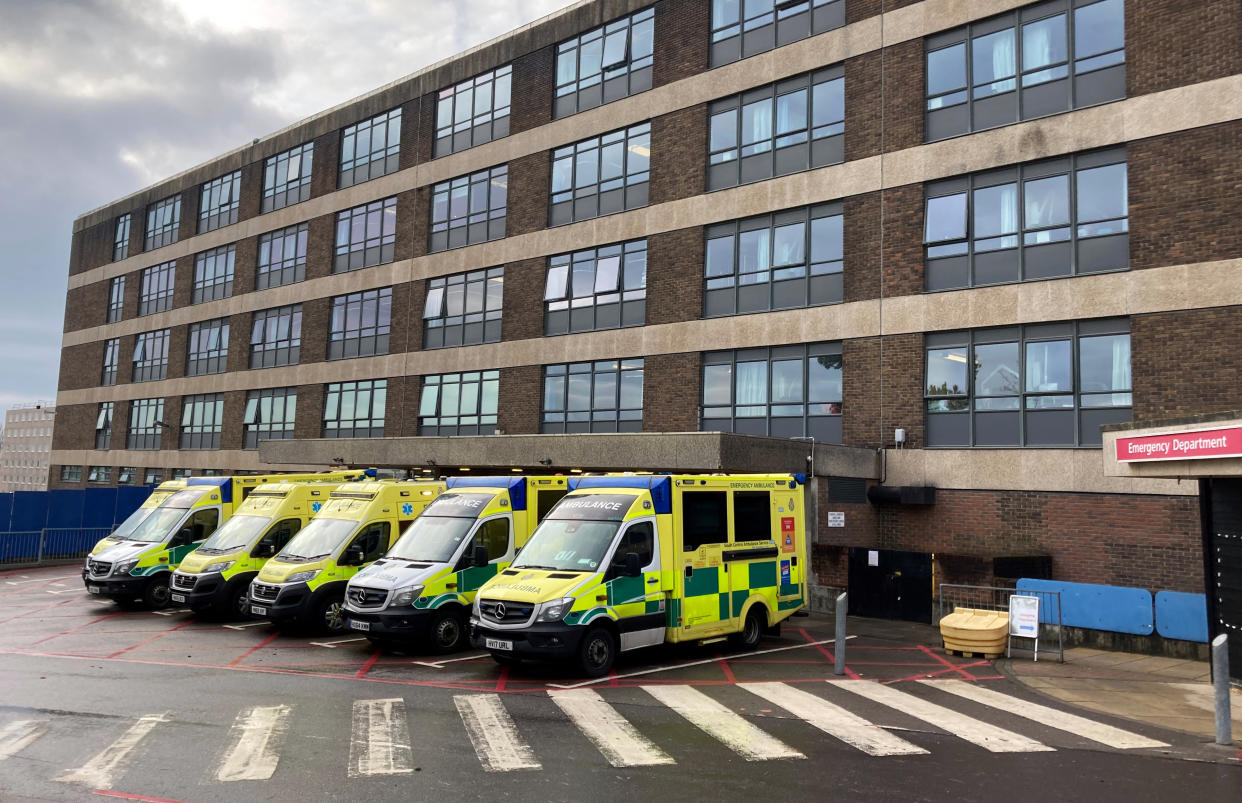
[(469, 209), (146, 423), (783, 128), (365, 236), (156, 292), (103, 427), (464, 309), (151, 356), (603, 396), (789, 259), (287, 177), (116, 299), (269, 415), (120, 244), (1043, 59), (213, 274), (355, 409), (111, 359), (360, 324), (742, 28), (459, 404), (1041, 220), (599, 288), (208, 347), (219, 202), (601, 176), (782, 392), (163, 222), (276, 337), (605, 64), (202, 418), (370, 149), (1037, 385), (474, 111), (282, 257)]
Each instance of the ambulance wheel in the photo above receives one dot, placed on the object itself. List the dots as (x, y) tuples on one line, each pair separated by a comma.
[(597, 652), (752, 630), (155, 595), (330, 615), (447, 632), (236, 602)]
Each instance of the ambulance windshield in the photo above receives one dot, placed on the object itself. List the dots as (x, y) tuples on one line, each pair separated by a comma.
[(235, 533), (431, 538), (126, 530)]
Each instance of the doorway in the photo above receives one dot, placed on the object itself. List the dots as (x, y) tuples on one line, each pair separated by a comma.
[(888, 584)]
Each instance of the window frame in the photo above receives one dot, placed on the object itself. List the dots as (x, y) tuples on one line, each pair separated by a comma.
[(111, 361), (163, 223), (202, 421), (257, 426), (377, 395), (771, 26), (273, 268), (150, 369), (447, 230), (362, 340), (629, 75), (70, 473), (376, 247), (624, 305), (353, 169), (145, 419), (219, 284), (99, 475), (477, 127), (630, 189), (279, 351), (477, 418), (120, 243), (155, 288), (627, 418), (219, 201), (277, 193), (467, 328), (202, 358), (103, 426), (116, 299)]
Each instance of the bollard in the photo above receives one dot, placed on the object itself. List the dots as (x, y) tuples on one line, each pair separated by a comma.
[(1220, 681), (838, 644)]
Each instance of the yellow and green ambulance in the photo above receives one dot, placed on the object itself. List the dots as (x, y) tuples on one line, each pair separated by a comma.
[(216, 577), (624, 562), (422, 589), (305, 582), (136, 561)]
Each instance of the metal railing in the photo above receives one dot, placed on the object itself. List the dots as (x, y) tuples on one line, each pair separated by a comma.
[(993, 598), (49, 545)]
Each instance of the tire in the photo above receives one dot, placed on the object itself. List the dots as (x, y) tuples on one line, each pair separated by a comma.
[(596, 652), (330, 614), (447, 631), (155, 595), (236, 601), (752, 630)]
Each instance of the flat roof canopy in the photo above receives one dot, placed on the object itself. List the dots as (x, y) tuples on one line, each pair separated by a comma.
[(1193, 447)]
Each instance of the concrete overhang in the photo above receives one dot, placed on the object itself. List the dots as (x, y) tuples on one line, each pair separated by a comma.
[(1198, 468), (665, 451)]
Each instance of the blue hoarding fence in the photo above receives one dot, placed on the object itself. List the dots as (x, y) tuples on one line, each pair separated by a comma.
[(1118, 609), (47, 526)]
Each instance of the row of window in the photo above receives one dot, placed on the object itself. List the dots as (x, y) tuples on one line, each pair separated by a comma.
[(125, 475)]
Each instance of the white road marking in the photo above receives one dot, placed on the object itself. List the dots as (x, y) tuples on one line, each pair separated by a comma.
[(15, 736), (172, 612), (495, 737), (834, 720), (380, 741), (247, 624), (989, 737), (616, 738), (722, 723), (1051, 717), (256, 738), (38, 579), (673, 667), (440, 664), (64, 591), (332, 645), (112, 761)]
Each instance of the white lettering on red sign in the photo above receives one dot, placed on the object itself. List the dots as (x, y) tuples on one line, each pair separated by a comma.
[(1197, 445)]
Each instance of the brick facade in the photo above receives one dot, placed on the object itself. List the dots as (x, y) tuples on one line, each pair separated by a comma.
[(1172, 43), (671, 392), (1186, 363)]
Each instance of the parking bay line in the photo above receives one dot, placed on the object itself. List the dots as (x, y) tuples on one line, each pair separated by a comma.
[(440, 664), (332, 645), (15, 736), (247, 624)]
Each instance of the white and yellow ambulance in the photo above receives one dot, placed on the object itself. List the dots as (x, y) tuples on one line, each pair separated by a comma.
[(630, 561)]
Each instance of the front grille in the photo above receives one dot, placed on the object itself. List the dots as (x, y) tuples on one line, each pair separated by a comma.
[(264, 592), (366, 597), (184, 582), (98, 568), (508, 613)]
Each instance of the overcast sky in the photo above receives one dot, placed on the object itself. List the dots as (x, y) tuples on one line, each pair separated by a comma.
[(100, 98)]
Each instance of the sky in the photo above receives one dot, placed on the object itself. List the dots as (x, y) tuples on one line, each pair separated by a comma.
[(101, 98)]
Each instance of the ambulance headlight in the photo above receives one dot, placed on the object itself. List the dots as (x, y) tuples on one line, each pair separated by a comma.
[(302, 577), (125, 567), (219, 567), (555, 611), (406, 596)]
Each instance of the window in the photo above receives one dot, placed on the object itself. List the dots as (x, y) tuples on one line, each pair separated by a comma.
[(269, 415), (604, 396), (463, 309), (779, 261), (782, 392), (360, 323), (120, 250), (1049, 384), (473, 112), (600, 288), (70, 473), (201, 420), (219, 203), (1040, 220), (126, 476), (742, 28), (601, 176), (146, 423), (704, 518), (103, 427), (459, 404), (116, 299), (153, 476), (1039, 60), (276, 337), (151, 356), (782, 128), (604, 64), (287, 177), (163, 221), (355, 409), (101, 474), (469, 209), (111, 359), (156, 293), (370, 149), (752, 515), (282, 257), (365, 236), (208, 347), (180, 473), (213, 274)]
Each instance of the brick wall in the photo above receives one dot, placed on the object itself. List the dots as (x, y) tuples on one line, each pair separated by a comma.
[(308, 421), (861, 229), (864, 104), (530, 178), (878, 401), (678, 154), (671, 392), (1186, 363), (682, 39), (88, 306), (1173, 43), (320, 246), (81, 366), (522, 313), (903, 240), (675, 276), (325, 163), (407, 214), (903, 95), (519, 405), (534, 77)]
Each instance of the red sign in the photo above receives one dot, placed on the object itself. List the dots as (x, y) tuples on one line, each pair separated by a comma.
[(1197, 445)]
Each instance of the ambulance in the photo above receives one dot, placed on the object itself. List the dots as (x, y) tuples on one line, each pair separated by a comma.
[(305, 582), (423, 588), (216, 577), (136, 561), (624, 562)]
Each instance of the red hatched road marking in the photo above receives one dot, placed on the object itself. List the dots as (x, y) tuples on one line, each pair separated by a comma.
[(127, 796), (253, 649)]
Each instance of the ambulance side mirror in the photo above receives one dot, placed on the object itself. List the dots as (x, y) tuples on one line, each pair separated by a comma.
[(265, 549), (632, 566), (354, 555), (183, 537), (480, 555)]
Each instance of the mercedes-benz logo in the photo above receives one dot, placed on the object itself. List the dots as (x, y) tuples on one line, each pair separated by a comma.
[(500, 610)]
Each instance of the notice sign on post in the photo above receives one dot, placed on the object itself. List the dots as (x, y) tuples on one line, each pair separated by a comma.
[(1024, 619)]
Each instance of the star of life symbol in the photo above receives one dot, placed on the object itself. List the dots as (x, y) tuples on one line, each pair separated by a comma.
[(315, 506), (407, 509)]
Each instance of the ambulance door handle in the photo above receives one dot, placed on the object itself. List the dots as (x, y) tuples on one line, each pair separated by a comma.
[(689, 571), (653, 581)]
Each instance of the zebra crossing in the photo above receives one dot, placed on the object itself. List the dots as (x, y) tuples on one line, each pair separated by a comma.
[(380, 742)]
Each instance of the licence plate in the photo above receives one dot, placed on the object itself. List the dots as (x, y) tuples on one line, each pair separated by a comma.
[(257, 611), (497, 644), (356, 625), (177, 597), (93, 589)]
